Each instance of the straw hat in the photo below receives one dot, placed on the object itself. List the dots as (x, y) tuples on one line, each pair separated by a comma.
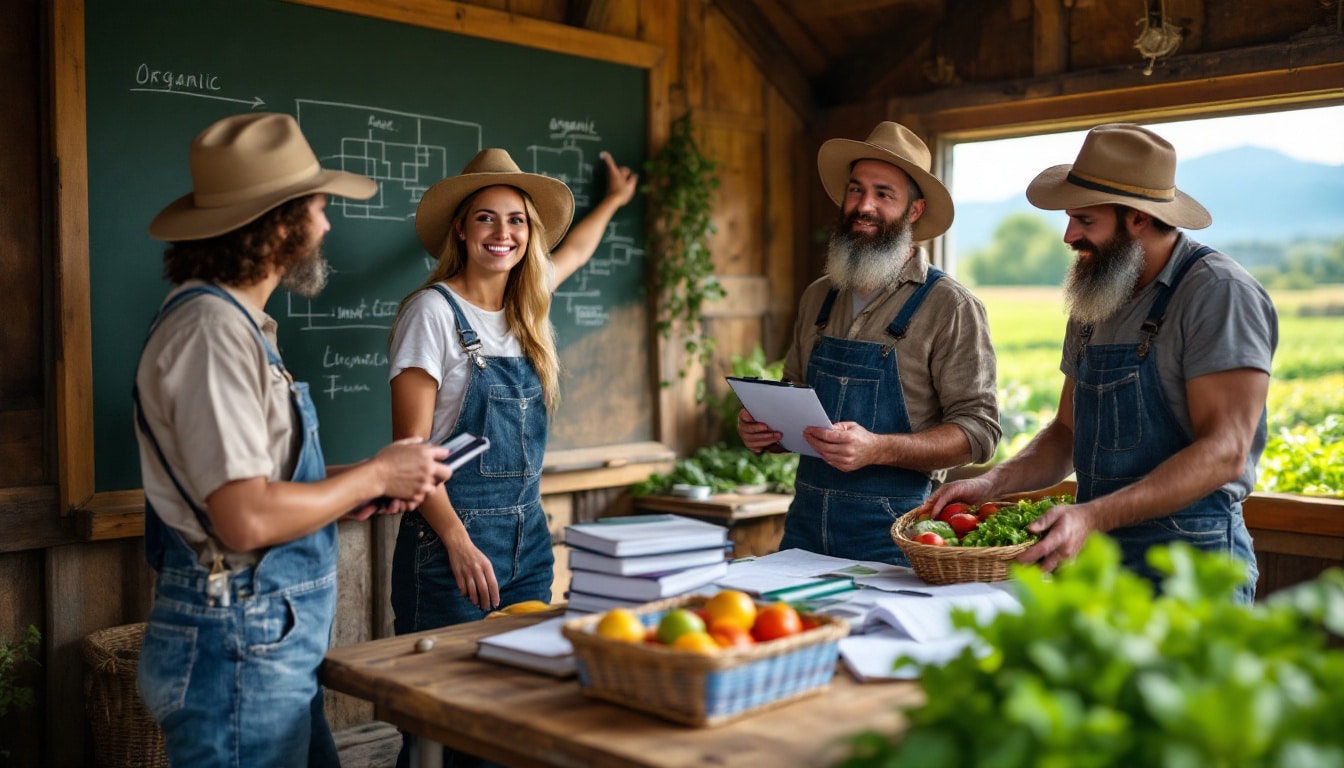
[(891, 143), (1125, 164), (491, 167), (242, 167)]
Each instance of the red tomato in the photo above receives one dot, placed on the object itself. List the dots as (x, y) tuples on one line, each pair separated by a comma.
[(955, 508), (931, 538), (775, 621), (986, 509), (963, 523)]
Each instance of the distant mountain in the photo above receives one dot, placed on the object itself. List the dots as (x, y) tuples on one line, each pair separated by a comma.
[(1253, 194)]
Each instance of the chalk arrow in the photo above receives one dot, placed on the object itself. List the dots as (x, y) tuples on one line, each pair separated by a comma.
[(255, 101)]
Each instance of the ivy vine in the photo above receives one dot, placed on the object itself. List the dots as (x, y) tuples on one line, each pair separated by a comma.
[(680, 185)]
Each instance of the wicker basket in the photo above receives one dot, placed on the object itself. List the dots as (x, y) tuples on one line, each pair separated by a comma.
[(703, 689), (953, 565), (123, 732)]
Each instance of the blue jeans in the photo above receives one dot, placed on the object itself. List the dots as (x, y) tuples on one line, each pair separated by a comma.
[(1206, 527), (236, 685)]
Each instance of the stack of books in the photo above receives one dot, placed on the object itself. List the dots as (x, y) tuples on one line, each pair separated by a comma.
[(626, 561)]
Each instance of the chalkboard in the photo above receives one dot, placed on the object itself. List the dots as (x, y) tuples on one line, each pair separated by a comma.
[(402, 103)]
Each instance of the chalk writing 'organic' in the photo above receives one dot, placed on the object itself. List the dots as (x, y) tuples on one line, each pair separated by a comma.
[(566, 127), (169, 80)]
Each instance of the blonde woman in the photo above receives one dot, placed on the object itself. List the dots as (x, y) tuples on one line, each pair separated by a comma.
[(473, 350)]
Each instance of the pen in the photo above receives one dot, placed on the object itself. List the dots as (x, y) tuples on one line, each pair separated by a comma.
[(912, 593)]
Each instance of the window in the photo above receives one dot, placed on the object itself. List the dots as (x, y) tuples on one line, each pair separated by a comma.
[(1274, 183)]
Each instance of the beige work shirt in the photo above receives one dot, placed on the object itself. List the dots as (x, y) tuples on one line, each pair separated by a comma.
[(946, 361), (218, 409)]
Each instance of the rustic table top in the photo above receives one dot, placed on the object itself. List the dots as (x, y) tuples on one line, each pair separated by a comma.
[(522, 718)]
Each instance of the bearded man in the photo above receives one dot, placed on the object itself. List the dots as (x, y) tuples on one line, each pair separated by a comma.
[(1166, 363), (898, 353)]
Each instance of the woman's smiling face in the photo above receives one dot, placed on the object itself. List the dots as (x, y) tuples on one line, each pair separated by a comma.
[(495, 230)]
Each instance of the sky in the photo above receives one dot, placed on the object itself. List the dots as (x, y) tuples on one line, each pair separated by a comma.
[(987, 171)]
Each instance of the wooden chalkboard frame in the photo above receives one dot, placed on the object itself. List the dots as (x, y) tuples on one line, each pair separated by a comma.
[(115, 514)]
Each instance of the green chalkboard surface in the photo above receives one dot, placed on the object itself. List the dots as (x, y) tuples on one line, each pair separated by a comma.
[(403, 104)]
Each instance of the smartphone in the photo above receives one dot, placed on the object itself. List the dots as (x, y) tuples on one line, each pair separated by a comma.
[(464, 446)]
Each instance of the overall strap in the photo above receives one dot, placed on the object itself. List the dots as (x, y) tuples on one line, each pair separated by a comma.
[(471, 343), (173, 303), (1158, 312), (901, 324), (824, 314)]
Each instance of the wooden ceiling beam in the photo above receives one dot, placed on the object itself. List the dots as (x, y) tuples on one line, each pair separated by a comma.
[(1257, 76), (771, 55), (852, 79), (820, 9), (587, 14)]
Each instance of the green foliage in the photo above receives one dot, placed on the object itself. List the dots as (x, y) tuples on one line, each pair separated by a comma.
[(1305, 458), (723, 469), (680, 184), (1292, 266), (1096, 671), (725, 408), (1008, 526), (1026, 250), (13, 657)]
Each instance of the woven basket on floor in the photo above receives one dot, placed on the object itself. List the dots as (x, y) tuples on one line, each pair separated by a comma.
[(952, 565), (703, 689), (123, 732)]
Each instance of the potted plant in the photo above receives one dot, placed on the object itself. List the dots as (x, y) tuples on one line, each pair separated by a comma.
[(680, 184), (13, 658)]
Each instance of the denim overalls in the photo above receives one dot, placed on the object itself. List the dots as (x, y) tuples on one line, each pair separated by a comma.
[(232, 678), (497, 497), (849, 514), (1123, 429)]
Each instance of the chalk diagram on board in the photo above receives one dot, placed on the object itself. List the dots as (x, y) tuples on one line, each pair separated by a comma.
[(406, 153)]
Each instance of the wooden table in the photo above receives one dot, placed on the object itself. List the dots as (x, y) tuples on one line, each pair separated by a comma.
[(520, 718), (755, 521)]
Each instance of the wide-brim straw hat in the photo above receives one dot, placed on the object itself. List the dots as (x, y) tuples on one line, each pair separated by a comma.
[(891, 143), (1125, 164), (242, 167), (489, 168)]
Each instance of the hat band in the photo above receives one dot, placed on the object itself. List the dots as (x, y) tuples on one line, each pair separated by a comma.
[(234, 196), (1126, 190)]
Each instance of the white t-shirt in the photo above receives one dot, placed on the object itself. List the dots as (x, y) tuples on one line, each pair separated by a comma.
[(426, 337)]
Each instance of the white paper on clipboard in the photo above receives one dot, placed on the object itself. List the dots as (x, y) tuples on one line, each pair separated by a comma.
[(787, 408)]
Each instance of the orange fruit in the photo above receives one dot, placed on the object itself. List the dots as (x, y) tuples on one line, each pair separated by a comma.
[(621, 625), (730, 635), (733, 607), (696, 642), (775, 621)]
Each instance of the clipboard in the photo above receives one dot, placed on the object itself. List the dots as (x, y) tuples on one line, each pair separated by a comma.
[(787, 408)]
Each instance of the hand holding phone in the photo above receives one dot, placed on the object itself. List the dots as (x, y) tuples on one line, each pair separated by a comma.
[(462, 448)]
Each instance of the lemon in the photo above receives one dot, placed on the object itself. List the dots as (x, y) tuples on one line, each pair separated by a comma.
[(621, 625)]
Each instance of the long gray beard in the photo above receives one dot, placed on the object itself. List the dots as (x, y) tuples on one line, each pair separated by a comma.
[(864, 265), (309, 276), (1095, 291)]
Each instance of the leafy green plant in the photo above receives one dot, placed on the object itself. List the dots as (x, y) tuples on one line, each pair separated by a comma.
[(13, 657), (1096, 671), (680, 184), (723, 469), (1306, 458)]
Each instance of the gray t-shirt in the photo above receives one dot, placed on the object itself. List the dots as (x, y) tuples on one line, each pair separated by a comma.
[(1219, 319)]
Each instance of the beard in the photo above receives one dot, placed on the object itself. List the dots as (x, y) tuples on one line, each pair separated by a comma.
[(307, 276), (1097, 287), (866, 263)]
